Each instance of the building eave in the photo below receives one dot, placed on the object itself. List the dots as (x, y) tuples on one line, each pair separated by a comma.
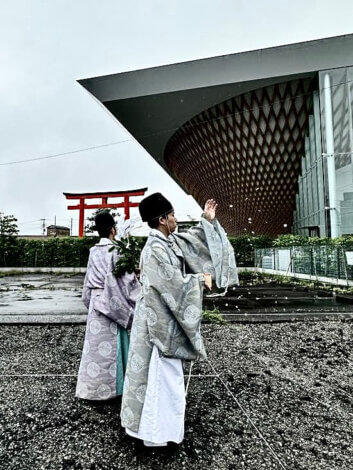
[(153, 103)]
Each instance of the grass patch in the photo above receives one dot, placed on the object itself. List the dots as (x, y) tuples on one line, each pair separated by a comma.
[(212, 316), (10, 273), (14, 272)]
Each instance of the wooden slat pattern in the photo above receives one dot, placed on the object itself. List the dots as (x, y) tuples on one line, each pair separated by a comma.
[(246, 152)]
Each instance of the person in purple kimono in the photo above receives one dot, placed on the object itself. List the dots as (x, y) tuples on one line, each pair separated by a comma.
[(111, 303)]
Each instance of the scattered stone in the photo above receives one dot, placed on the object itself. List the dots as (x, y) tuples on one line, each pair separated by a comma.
[(297, 400)]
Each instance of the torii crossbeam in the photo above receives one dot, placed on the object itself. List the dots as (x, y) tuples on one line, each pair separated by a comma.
[(81, 206)]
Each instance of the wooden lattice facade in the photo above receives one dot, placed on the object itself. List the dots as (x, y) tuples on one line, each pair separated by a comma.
[(246, 153)]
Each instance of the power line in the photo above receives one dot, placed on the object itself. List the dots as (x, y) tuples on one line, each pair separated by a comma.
[(247, 110), (46, 157)]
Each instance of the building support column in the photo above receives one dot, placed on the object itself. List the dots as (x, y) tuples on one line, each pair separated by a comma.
[(330, 151), (348, 85)]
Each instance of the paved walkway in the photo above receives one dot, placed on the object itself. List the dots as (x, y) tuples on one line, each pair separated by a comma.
[(42, 298)]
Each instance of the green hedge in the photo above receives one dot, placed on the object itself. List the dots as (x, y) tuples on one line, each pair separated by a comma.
[(50, 252), (284, 241), (73, 252)]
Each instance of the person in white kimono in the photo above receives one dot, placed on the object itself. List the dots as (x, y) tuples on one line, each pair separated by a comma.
[(110, 302), (166, 327)]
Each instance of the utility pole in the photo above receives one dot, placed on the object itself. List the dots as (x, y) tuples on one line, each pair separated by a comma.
[(71, 227), (43, 226)]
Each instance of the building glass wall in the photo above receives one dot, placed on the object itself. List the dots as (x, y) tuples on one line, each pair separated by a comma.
[(336, 95), (324, 202), (310, 214)]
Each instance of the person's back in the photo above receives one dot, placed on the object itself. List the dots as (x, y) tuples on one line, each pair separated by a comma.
[(98, 264), (110, 302)]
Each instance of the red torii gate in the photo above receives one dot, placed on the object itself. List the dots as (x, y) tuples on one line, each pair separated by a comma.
[(81, 206)]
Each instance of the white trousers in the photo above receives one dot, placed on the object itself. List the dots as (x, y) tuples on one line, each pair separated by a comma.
[(163, 412)]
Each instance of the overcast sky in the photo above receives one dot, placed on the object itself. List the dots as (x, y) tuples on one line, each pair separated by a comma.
[(46, 45)]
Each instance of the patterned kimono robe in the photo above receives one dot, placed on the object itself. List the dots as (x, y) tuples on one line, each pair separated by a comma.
[(168, 314), (110, 302)]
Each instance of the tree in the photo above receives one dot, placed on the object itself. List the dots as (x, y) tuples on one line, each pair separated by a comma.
[(8, 240), (8, 225)]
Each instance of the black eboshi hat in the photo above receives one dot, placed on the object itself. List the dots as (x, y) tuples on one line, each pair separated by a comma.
[(153, 206), (103, 221)]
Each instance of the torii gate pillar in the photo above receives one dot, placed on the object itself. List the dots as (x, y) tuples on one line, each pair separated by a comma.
[(81, 206)]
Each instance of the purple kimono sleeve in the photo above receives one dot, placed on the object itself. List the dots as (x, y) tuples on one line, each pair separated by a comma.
[(118, 298), (86, 296), (86, 290)]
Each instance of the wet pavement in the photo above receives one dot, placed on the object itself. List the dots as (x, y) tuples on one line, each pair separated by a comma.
[(42, 298)]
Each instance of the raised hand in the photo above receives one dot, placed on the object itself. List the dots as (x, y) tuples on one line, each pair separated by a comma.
[(210, 209), (208, 280)]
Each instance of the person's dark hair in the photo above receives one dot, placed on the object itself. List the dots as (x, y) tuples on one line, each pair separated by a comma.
[(104, 232), (153, 223), (104, 222)]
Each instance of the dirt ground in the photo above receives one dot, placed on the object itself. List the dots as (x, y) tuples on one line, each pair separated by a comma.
[(293, 380)]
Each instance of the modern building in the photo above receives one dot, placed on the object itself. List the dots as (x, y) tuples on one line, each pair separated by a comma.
[(268, 133)]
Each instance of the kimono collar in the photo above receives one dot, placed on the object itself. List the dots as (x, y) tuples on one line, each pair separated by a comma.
[(158, 234), (104, 242), (170, 240)]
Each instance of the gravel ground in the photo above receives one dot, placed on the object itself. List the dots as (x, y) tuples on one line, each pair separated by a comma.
[(294, 380)]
